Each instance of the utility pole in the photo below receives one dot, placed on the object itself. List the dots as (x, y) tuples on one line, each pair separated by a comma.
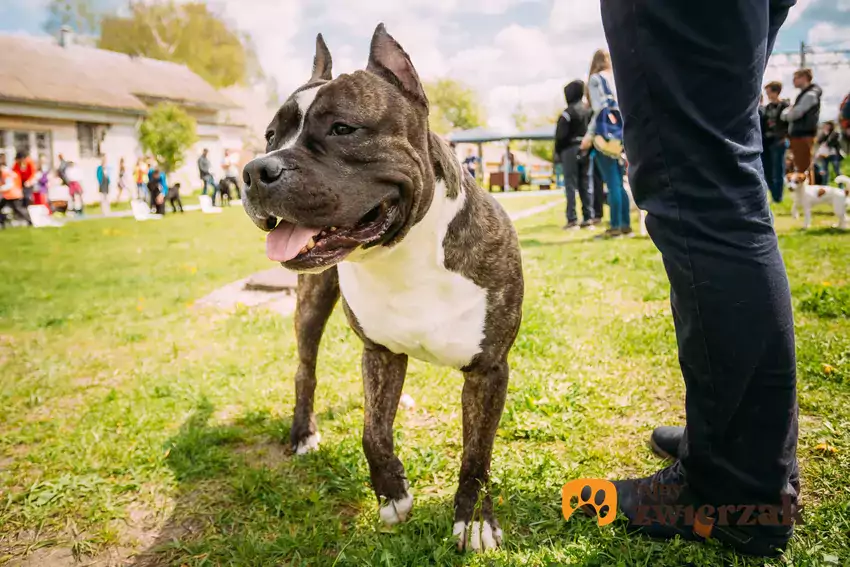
[(802, 55)]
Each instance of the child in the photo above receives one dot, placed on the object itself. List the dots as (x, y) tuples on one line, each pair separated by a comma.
[(140, 176), (174, 197), (75, 190), (103, 181), (11, 193), (156, 184), (122, 181), (42, 182)]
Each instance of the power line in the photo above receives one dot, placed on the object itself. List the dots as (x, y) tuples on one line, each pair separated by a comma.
[(807, 50)]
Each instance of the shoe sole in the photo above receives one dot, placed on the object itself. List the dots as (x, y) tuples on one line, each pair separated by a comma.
[(659, 451)]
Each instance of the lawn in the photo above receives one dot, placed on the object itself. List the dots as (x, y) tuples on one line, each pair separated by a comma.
[(136, 423)]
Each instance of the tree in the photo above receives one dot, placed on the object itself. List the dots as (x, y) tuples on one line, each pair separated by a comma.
[(187, 33), (454, 106), (543, 149), (82, 16), (167, 133)]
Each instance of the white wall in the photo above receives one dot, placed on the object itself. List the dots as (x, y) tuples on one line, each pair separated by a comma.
[(121, 140)]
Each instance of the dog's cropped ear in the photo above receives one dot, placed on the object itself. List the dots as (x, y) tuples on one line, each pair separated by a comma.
[(388, 60), (322, 61)]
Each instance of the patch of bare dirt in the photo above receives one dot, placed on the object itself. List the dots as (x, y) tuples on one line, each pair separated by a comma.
[(268, 454)]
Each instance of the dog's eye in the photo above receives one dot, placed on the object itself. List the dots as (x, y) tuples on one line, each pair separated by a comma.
[(340, 129), (269, 137)]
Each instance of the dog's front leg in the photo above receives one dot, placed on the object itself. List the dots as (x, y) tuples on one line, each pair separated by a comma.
[(484, 391), (316, 296), (383, 380)]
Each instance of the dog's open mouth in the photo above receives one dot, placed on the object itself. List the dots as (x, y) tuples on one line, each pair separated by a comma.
[(301, 247)]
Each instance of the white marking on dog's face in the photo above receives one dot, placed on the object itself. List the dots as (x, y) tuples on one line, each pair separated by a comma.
[(304, 99), (405, 298), (309, 444), (396, 511), (478, 536)]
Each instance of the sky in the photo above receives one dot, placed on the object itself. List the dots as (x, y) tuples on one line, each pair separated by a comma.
[(514, 53)]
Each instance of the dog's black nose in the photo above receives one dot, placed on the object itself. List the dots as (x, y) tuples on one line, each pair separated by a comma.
[(263, 170)]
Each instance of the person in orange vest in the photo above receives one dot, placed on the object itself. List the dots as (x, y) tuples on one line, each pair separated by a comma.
[(11, 193)]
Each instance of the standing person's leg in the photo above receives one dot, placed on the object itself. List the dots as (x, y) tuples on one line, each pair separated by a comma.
[(104, 204), (802, 150), (625, 204), (585, 189), (778, 157), (609, 170), (569, 162), (598, 191), (696, 170), (20, 207), (836, 166)]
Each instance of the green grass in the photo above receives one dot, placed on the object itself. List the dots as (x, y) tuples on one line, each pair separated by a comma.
[(134, 422)]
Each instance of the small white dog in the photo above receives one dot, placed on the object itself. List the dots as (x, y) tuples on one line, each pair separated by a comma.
[(807, 196)]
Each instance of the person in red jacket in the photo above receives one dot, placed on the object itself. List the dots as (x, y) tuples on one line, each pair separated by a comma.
[(26, 169)]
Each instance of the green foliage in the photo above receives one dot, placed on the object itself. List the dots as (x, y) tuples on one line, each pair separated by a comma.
[(827, 301), (543, 149), (454, 106), (187, 33), (167, 133)]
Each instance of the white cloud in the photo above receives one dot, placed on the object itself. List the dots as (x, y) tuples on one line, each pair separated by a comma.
[(798, 10), (273, 24), (576, 16), (829, 33)]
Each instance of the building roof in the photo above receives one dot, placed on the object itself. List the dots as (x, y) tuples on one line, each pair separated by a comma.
[(38, 69)]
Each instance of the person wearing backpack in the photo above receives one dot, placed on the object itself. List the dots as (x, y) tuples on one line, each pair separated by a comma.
[(571, 128), (605, 137)]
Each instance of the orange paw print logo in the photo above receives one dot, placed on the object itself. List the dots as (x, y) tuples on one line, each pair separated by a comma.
[(599, 494)]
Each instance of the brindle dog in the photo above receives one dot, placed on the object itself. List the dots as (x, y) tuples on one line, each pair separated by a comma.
[(357, 192)]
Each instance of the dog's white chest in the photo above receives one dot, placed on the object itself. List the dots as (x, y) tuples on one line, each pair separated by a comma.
[(405, 299)]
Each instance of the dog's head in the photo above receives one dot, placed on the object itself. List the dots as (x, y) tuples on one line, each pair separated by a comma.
[(794, 180), (347, 164)]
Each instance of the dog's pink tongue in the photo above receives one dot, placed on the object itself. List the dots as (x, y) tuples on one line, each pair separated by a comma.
[(286, 240)]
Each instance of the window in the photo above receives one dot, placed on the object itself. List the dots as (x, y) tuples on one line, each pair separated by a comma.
[(87, 137), (21, 141), (43, 146)]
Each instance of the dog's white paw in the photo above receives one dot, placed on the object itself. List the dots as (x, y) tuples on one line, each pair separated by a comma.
[(477, 536), (309, 444), (396, 511)]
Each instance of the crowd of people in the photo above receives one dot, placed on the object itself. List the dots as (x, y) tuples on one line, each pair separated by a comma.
[(29, 182), (792, 135), (589, 144)]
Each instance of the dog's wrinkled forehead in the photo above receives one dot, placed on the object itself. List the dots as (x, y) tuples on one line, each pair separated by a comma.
[(285, 127)]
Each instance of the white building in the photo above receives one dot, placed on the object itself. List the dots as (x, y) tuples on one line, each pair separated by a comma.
[(59, 98)]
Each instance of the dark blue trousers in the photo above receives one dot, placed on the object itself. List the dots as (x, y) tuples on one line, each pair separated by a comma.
[(688, 77)]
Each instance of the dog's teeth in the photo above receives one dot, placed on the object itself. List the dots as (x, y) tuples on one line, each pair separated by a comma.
[(303, 250), (310, 244)]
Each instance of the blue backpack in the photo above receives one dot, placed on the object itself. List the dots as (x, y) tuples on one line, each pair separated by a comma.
[(609, 125)]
